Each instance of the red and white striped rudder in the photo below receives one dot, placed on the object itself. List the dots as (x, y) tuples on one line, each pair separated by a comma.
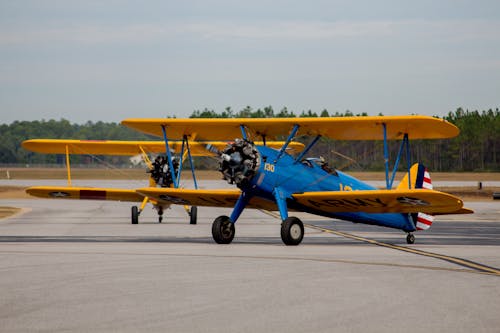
[(419, 178)]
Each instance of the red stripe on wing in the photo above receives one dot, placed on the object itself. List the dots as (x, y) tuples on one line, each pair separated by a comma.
[(92, 195)]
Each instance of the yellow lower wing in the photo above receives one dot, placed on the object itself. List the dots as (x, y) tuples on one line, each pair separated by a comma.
[(211, 198), (381, 201), (373, 201), (85, 193)]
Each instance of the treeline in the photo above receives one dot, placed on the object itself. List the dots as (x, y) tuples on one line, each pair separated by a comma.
[(267, 112), (477, 148), (14, 134)]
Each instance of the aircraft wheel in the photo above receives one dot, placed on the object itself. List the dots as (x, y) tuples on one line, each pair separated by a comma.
[(135, 215), (160, 215), (292, 231), (410, 239), (193, 215), (223, 230)]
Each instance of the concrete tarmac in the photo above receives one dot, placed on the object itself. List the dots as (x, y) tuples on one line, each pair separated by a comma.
[(81, 266)]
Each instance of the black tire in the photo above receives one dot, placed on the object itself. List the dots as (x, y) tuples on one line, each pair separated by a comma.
[(193, 215), (135, 215), (223, 230), (410, 239), (292, 231), (160, 214)]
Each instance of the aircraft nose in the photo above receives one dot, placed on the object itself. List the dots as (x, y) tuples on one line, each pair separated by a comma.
[(235, 160)]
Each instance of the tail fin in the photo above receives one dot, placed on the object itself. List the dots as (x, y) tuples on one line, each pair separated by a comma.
[(418, 177)]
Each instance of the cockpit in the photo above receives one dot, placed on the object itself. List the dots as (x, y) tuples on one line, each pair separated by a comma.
[(319, 162)]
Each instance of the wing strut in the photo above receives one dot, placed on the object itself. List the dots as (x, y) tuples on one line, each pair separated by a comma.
[(169, 157), (176, 177), (243, 132), (68, 167), (306, 150), (145, 158), (190, 162), (405, 143), (287, 142), (182, 157)]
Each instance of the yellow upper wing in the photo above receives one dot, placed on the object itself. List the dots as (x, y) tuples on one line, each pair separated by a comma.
[(340, 128), (107, 147), (97, 147)]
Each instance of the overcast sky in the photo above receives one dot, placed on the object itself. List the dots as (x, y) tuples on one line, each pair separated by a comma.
[(109, 60)]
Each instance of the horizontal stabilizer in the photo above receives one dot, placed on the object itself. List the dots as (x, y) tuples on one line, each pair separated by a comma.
[(463, 210)]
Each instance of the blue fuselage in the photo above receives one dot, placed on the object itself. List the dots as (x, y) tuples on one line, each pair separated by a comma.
[(310, 175)]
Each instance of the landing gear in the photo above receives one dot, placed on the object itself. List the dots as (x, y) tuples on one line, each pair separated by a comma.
[(193, 215), (160, 214), (292, 231), (410, 239), (223, 230), (135, 215)]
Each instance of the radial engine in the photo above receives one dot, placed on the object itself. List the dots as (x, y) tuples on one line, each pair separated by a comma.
[(239, 162)]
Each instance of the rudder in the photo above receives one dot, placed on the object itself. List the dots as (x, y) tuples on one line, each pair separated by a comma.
[(418, 177)]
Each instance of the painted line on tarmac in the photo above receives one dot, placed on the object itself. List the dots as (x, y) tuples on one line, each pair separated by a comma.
[(454, 260), (161, 254)]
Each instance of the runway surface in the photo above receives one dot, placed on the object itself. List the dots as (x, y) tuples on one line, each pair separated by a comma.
[(81, 266)]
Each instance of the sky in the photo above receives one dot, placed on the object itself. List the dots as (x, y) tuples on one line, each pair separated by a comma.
[(110, 60)]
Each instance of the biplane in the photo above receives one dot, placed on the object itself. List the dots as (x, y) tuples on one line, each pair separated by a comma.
[(271, 178), (158, 168)]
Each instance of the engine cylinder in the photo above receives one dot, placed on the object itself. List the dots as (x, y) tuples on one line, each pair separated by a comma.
[(239, 162)]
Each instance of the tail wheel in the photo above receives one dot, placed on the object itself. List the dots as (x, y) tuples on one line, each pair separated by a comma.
[(135, 215), (193, 215), (223, 230), (292, 231), (410, 239)]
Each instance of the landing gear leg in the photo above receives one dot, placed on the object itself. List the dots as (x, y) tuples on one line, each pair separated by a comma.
[(410, 239), (292, 228)]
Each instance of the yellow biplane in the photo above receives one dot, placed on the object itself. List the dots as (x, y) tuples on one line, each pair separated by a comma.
[(158, 169), (271, 178)]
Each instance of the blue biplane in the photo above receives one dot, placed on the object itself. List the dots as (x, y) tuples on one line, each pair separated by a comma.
[(272, 179)]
